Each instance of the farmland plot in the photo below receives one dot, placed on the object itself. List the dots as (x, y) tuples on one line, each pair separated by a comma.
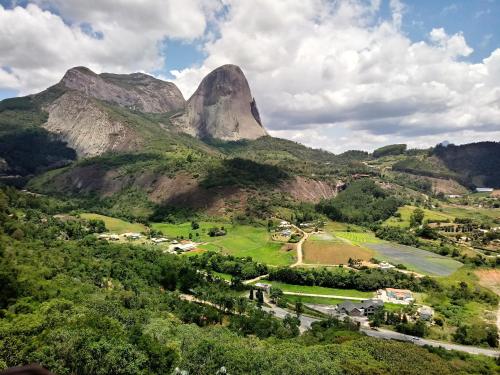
[(418, 260)]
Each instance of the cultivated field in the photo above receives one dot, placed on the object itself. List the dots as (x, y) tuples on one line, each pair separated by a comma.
[(114, 225), (331, 252), (358, 238), (418, 260)]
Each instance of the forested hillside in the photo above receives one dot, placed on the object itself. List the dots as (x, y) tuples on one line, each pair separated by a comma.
[(79, 305)]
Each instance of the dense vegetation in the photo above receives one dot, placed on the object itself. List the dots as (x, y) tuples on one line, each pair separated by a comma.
[(243, 268), (396, 149), (424, 166), (363, 202), (476, 163), (27, 148), (78, 305), (365, 280)]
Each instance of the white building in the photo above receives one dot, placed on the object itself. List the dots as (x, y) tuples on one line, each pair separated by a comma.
[(484, 190), (385, 266), (159, 240), (132, 236)]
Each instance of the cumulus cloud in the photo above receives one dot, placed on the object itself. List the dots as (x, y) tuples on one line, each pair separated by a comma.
[(336, 74), (324, 73), (42, 40)]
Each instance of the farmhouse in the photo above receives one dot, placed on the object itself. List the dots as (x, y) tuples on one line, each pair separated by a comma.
[(425, 313), (265, 287), (364, 308), (401, 296), (484, 190), (384, 266), (132, 236), (159, 240), (284, 225), (185, 246)]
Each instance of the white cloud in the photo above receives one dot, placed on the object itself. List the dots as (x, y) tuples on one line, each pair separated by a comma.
[(335, 75), (39, 44), (330, 73)]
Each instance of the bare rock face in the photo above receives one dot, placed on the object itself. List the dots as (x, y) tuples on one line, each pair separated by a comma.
[(135, 91), (222, 107), (87, 127)]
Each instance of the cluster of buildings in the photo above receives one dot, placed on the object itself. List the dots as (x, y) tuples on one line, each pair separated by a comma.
[(399, 296), (116, 237)]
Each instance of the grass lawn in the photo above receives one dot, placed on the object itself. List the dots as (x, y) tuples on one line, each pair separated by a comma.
[(318, 290), (406, 211), (224, 276), (115, 225), (476, 213), (240, 241), (314, 300)]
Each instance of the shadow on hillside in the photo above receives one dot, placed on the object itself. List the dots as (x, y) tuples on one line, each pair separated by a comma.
[(244, 173)]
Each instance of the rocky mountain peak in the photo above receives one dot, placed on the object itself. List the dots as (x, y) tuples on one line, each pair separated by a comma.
[(137, 91), (223, 107)]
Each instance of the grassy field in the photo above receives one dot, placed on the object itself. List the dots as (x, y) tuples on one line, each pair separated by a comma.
[(358, 238), (314, 300), (333, 252), (240, 240), (417, 260), (318, 290), (476, 213), (406, 211), (115, 225)]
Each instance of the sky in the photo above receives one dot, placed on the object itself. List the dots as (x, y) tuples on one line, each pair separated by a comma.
[(331, 74)]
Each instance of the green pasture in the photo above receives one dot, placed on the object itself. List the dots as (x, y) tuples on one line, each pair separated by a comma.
[(318, 290), (240, 241), (115, 225)]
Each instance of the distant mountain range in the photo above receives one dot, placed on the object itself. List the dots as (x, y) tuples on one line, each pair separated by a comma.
[(113, 135)]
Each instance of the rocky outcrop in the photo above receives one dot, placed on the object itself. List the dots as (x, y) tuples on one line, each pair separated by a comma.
[(136, 91), (307, 189), (87, 127), (222, 107)]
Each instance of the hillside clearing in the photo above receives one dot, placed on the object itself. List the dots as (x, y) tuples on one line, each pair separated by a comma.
[(115, 225)]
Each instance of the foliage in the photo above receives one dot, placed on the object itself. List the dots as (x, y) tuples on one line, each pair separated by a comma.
[(396, 149), (364, 280), (476, 163), (363, 202), (244, 268)]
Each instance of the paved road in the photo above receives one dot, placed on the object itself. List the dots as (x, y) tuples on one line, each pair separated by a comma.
[(251, 281), (391, 335), (306, 321)]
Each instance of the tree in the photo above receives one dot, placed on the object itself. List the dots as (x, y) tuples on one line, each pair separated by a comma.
[(299, 308), (260, 297), (276, 294), (416, 217)]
